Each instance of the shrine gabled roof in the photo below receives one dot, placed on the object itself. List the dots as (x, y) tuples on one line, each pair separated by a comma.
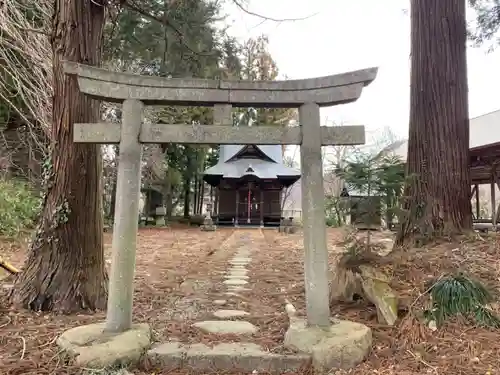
[(273, 152), (260, 168), (271, 168)]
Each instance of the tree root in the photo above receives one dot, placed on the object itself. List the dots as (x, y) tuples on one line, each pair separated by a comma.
[(357, 274), (8, 267)]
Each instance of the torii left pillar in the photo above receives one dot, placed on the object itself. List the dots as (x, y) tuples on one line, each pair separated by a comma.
[(128, 185)]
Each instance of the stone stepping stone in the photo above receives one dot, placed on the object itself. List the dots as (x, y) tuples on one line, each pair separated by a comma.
[(243, 357), (235, 282), (225, 314), (236, 277), (226, 327), (238, 268), (241, 276), (240, 261), (220, 302), (238, 272)]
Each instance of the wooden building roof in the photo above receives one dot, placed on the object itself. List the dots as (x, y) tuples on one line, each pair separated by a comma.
[(261, 161)]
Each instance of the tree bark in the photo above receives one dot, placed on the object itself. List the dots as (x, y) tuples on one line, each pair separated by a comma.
[(168, 193), (196, 195), (438, 185), (65, 268), (202, 196)]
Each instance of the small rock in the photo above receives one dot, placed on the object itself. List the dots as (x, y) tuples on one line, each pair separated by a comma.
[(187, 287), (432, 325), (220, 302)]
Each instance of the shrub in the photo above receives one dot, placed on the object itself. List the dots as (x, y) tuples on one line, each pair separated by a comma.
[(461, 295), (19, 207)]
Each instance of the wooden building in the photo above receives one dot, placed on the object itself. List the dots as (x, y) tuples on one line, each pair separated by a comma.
[(484, 163), (249, 181)]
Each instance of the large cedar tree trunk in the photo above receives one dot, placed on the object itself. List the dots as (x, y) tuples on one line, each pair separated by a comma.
[(438, 187), (65, 268), (196, 194)]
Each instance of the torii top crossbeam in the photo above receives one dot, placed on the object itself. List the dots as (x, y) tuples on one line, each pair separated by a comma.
[(324, 91)]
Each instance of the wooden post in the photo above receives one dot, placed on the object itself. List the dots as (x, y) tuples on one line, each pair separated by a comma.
[(121, 277), (477, 202), (261, 207), (313, 207), (493, 204), (237, 207), (249, 204), (217, 196)]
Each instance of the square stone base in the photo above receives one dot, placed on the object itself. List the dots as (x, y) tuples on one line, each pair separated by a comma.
[(92, 347), (343, 345), (160, 221), (208, 228)]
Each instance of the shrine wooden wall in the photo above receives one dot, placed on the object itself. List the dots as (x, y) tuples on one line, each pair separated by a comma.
[(271, 204)]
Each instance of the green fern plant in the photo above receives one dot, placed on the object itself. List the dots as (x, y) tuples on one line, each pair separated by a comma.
[(460, 295)]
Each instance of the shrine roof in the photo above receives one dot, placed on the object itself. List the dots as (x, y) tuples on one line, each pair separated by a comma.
[(273, 152), (260, 168), (231, 167)]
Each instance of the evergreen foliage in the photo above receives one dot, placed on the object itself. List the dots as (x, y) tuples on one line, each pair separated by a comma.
[(369, 176), (459, 295)]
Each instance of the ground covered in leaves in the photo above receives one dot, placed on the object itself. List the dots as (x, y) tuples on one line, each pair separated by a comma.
[(180, 273)]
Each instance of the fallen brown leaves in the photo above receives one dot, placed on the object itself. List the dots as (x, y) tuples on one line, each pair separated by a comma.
[(166, 259), (179, 273), (410, 348)]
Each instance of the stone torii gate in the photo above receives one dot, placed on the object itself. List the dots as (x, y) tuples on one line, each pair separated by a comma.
[(135, 91)]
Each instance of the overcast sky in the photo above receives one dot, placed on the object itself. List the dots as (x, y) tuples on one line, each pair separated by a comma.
[(355, 34)]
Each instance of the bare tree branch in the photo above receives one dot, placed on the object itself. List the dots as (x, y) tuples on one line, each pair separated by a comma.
[(26, 70), (266, 18), (167, 22)]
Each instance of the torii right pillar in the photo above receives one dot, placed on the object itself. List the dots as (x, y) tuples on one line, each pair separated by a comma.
[(313, 216)]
